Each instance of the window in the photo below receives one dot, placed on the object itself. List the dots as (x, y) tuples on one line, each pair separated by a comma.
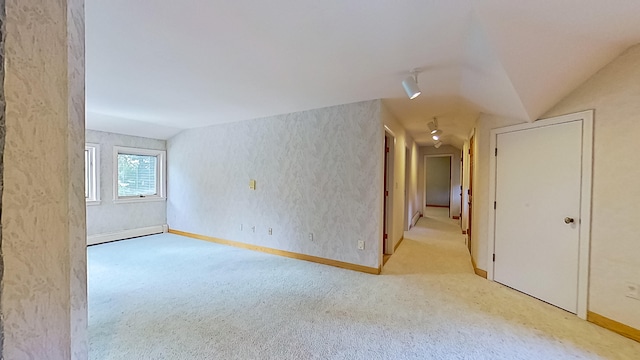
[(91, 176), (139, 175)]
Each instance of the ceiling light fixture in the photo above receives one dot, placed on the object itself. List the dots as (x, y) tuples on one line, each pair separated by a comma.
[(410, 85), (437, 144), (433, 126), (436, 135)]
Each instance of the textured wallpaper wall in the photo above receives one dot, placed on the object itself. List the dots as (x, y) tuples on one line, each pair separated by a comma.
[(43, 233), (399, 186), (613, 92), (317, 171), (3, 124), (480, 216), (415, 202), (75, 144), (108, 217)]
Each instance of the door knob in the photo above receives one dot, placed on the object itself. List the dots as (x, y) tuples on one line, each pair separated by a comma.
[(568, 220)]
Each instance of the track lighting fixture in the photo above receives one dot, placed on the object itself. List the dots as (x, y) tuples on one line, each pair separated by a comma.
[(436, 135), (410, 85), (433, 126), (435, 132)]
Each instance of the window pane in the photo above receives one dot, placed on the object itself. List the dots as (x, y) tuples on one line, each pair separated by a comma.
[(137, 175), (86, 173)]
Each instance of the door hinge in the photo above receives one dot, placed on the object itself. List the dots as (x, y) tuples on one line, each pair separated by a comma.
[(386, 193), (494, 257), (469, 151), (494, 205), (386, 149), (496, 152), (385, 237)]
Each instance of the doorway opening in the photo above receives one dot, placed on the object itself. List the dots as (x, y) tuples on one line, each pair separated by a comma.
[(407, 185), (470, 192), (437, 184), (387, 222)]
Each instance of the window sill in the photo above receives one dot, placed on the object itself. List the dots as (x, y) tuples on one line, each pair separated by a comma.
[(93, 202), (139, 200)]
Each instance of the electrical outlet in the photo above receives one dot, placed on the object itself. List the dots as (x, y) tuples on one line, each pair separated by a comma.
[(633, 291), (253, 228), (270, 231), (360, 245), (310, 236)]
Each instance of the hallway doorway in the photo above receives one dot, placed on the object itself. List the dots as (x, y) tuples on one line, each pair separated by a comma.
[(407, 186), (437, 182), (387, 216)]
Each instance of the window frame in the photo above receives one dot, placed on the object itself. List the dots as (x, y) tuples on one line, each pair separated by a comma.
[(92, 174), (161, 174)]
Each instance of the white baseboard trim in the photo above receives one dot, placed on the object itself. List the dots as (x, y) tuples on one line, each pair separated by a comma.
[(126, 234), (415, 218)]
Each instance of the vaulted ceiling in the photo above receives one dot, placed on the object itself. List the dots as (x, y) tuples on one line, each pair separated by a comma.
[(155, 68)]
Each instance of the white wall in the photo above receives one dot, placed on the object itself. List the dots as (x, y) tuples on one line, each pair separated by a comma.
[(438, 183), (415, 203), (402, 142), (614, 93), (317, 171), (108, 217), (455, 174)]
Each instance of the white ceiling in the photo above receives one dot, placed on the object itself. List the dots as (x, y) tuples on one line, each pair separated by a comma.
[(155, 68)]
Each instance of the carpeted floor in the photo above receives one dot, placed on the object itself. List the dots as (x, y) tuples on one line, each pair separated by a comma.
[(169, 297)]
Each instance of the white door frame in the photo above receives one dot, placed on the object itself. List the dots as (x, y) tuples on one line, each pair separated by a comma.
[(407, 187), (424, 183), (390, 184), (585, 204)]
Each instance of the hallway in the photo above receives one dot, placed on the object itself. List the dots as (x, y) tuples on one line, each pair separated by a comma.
[(434, 246), (434, 255)]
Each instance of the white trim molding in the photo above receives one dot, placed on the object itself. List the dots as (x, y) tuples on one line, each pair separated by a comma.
[(585, 207), (415, 218), (391, 179), (126, 234), (92, 173)]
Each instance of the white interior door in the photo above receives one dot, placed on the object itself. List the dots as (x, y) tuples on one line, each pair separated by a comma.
[(538, 194)]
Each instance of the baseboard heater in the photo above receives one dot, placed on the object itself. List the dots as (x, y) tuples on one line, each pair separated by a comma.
[(126, 234)]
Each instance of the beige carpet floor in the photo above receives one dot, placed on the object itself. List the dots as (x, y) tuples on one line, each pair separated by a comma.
[(168, 297)]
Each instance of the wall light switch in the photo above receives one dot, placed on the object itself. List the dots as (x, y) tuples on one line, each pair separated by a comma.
[(270, 231), (252, 184), (360, 245)]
